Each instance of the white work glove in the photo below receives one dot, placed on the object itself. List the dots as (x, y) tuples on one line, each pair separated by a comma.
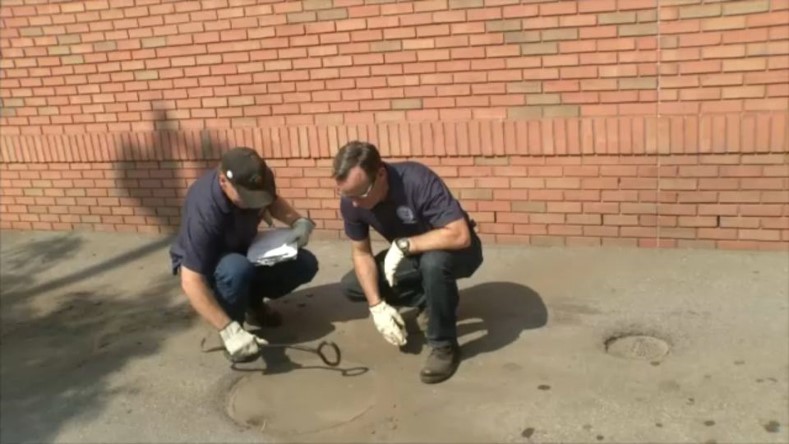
[(393, 258), (238, 342), (302, 229), (389, 323)]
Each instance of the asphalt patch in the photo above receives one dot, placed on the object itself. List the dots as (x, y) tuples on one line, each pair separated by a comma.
[(637, 346)]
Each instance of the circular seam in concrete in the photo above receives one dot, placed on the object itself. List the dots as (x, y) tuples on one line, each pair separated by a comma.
[(301, 400)]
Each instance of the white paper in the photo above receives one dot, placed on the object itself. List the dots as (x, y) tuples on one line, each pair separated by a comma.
[(271, 247)]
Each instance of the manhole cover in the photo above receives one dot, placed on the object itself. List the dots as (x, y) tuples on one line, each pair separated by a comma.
[(302, 399), (644, 347)]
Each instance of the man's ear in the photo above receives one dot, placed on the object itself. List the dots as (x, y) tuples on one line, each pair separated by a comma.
[(224, 183)]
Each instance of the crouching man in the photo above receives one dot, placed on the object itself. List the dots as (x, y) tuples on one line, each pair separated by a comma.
[(219, 221), (432, 245)]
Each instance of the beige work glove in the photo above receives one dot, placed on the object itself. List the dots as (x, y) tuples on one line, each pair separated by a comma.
[(238, 342), (389, 323)]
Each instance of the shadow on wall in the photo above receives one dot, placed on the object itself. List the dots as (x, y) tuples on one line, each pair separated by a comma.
[(151, 181), (60, 348)]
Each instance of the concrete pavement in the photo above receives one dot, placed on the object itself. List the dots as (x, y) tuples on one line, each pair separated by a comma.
[(98, 345)]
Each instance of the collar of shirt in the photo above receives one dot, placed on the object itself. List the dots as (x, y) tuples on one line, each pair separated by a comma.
[(395, 185)]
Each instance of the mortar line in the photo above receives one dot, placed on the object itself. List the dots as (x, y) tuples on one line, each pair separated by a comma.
[(657, 198)]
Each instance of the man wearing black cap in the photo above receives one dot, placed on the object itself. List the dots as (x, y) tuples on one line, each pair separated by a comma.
[(219, 221)]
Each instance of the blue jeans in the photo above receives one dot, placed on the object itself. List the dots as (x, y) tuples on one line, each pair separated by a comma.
[(239, 284), (428, 280)]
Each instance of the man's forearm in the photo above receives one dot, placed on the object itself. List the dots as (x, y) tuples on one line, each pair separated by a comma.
[(367, 274), (282, 211), (203, 301), (451, 237)]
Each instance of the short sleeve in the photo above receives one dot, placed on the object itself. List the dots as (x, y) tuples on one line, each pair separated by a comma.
[(355, 228), (435, 201), (201, 246)]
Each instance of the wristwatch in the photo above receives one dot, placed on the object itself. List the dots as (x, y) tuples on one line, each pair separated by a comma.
[(404, 245)]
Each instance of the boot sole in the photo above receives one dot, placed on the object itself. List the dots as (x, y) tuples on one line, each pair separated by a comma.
[(436, 378)]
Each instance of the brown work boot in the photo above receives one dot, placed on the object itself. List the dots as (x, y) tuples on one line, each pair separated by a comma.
[(263, 316), (441, 364)]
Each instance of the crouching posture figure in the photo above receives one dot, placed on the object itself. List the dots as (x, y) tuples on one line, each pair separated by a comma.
[(219, 221), (433, 244)]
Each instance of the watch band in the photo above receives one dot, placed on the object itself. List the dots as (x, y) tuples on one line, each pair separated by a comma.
[(403, 244)]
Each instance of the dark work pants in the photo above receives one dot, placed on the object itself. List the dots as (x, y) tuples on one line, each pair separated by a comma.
[(429, 281), (239, 284)]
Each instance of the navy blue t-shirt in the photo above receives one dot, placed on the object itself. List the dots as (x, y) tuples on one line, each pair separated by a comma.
[(211, 226), (418, 201)]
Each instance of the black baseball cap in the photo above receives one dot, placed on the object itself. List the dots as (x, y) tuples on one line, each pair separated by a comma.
[(248, 173)]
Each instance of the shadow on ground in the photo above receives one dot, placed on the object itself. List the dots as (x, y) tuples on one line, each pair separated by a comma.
[(502, 310), (490, 317), (63, 339), (22, 263)]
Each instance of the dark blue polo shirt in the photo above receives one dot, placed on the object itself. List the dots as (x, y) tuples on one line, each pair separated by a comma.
[(418, 201), (211, 226)]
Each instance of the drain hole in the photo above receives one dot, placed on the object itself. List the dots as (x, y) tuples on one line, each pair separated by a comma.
[(637, 346)]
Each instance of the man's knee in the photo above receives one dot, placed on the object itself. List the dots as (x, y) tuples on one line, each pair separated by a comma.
[(349, 284), (234, 269), (232, 278), (435, 263), (308, 266)]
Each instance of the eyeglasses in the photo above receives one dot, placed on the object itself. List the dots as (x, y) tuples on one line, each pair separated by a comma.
[(363, 195)]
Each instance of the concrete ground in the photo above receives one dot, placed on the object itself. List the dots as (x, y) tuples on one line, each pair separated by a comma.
[(98, 345)]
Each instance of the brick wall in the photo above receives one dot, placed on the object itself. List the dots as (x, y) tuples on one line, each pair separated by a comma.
[(589, 122)]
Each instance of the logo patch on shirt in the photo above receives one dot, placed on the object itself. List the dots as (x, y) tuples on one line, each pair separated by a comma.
[(406, 215)]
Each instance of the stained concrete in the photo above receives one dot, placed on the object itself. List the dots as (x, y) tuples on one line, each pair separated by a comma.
[(98, 345)]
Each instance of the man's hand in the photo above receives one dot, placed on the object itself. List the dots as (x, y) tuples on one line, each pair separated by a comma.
[(302, 228), (389, 323), (391, 261), (239, 342)]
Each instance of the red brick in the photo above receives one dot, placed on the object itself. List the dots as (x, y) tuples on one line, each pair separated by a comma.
[(763, 235), (750, 183), (624, 220), (760, 209), (638, 208), (698, 221), (564, 207), (496, 228), (638, 231)]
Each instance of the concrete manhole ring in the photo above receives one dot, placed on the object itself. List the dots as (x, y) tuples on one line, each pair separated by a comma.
[(637, 346), (302, 399)]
